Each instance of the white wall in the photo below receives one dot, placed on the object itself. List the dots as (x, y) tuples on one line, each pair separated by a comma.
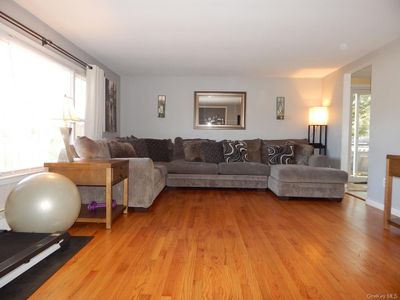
[(385, 114), (139, 106)]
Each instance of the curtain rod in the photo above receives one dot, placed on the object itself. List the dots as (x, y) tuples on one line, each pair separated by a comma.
[(43, 40)]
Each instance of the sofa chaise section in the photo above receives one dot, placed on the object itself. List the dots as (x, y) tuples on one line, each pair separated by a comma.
[(306, 181)]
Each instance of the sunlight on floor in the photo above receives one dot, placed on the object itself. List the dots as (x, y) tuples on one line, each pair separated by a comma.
[(358, 190)]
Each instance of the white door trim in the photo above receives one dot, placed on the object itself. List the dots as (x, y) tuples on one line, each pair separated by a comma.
[(346, 123)]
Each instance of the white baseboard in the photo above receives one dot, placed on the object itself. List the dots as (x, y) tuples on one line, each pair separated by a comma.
[(378, 205)]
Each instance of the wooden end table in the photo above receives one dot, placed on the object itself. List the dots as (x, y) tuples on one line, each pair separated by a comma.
[(97, 173), (392, 170)]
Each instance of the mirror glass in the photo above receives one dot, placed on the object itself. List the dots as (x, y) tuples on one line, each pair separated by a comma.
[(219, 110)]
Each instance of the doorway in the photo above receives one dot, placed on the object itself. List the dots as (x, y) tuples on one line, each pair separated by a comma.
[(359, 132)]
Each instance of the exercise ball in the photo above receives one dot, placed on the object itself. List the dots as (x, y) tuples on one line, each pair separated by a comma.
[(43, 203)]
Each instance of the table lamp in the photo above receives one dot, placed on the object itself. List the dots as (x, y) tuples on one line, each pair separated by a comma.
[(69, 117)]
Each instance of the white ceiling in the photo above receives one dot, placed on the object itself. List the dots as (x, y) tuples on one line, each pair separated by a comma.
[(283, 38)]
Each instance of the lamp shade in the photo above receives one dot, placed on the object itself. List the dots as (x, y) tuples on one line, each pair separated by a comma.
[(69, 114), (318, 115)]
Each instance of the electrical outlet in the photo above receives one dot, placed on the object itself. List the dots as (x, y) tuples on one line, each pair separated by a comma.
[(384, 182)]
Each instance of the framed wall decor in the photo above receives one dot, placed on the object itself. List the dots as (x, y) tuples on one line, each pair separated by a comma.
[(219, 110), (162, 99), (280, 108), (111, 106)]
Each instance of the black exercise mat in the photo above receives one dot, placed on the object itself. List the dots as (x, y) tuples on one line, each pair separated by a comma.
[(26, 284)]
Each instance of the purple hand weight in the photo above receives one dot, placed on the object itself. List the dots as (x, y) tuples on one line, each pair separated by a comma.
[(92, 206)]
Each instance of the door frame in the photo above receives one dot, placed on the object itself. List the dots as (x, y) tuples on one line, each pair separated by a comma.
[(345, 153)]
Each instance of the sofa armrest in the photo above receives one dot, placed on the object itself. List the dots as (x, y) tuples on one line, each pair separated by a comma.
[(316, 160), (141, 181), (141, 185)]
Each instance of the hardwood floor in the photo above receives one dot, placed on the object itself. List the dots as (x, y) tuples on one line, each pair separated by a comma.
[(233, 244)]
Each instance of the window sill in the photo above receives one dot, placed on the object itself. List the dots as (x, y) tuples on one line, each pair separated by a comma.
[(16, 176)]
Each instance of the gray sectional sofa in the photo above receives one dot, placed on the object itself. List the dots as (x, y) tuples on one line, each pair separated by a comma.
[(310, 176)]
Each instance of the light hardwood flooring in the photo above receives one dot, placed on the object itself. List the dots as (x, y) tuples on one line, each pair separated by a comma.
[(235, 244)]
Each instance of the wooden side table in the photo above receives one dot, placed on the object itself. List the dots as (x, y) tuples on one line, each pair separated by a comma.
[(392, 170), (97, 173)]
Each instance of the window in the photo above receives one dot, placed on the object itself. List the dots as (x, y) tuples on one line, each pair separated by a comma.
[(32, 89)]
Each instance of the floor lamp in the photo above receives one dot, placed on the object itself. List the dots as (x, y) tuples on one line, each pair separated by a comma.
[(318, 128)]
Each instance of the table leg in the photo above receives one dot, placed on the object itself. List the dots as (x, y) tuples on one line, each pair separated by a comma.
[(126, 193), (108, 197), (388, 201)]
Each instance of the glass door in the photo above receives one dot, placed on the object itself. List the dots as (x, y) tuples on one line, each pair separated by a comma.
[(360, 121)]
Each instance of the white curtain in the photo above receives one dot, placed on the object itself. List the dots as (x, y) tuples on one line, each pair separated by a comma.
[(95, 103)]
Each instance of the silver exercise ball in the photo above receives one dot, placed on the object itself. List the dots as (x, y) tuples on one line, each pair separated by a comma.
[(44, 203)]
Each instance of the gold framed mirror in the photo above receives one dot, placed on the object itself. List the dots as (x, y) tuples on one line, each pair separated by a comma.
[(219, 110)]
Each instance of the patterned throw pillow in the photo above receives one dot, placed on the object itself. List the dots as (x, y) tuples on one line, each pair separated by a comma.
[(235, 151), (212, 152), (280, 155)]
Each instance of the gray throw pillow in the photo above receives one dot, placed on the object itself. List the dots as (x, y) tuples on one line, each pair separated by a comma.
[(280, 154), (192, 151), (235, 151), (87, 148), (302, 153), (159, 150), (121, 150), (212, 152), (254, 150), (140, 147), (178, 152)]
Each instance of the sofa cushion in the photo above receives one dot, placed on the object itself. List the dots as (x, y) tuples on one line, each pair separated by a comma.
[(280, 155), (162, 169), (126, 139), (178, 149), (212, 152), (264, 143), (184, 167), (302, 153), (140, 147), (120, 150), (254, 150), (192, 151), (159, 150), (178, 152), (298, 141), (264, 150), (299, 173), (243, 168), (235, 151), (87, 148), (318, 160)]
